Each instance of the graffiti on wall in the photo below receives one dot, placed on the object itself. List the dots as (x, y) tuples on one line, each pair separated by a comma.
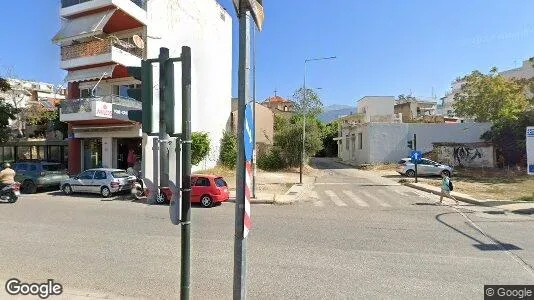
[(464, 154)]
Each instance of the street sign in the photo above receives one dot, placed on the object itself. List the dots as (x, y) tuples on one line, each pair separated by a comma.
[(256, 7), (416, 156), (249, 131), (530, 149)]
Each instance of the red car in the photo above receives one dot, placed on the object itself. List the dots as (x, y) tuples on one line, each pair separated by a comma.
[(205, 189)]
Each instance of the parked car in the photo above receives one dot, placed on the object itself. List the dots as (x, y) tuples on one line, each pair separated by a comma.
[(34, 174), (426, 167), (105, 182), (205, 189)]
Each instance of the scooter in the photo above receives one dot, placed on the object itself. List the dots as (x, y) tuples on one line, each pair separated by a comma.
[(10, 192), (138, 190)]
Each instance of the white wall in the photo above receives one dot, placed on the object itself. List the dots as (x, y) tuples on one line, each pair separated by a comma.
[(387, 142), (374, 106), (198, 24)]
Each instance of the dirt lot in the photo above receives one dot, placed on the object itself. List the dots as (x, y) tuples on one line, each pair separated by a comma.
[(493, 184), (266, 182)]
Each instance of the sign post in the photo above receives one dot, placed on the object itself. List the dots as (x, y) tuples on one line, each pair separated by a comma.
[(416, 155), (245, 10), (530, 149)]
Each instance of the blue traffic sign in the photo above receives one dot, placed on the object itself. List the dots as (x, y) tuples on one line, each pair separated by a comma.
[(416, 156), (249, 131)]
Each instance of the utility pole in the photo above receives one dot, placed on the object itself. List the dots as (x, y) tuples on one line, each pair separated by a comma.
[(254, 113), (245, 10), (415, 149)]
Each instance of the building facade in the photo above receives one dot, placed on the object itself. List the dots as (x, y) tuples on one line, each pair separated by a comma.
[(264, 129), (365, 143), (280, 106), (377, 108), (100, 38)]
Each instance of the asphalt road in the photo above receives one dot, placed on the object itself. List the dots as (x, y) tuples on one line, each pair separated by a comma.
[(352, 236)]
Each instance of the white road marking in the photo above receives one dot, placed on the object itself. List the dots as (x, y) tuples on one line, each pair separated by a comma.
[(355, 198), (335, 198), (380, 202)]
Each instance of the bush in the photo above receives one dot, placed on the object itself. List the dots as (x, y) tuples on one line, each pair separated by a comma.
[(200, 147), (228, 155), (271, 161)]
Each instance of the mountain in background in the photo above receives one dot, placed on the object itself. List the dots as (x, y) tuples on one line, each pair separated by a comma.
[(332, 112)]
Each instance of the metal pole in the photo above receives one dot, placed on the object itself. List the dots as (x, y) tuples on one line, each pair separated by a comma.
[(254, 113), (415, 149), (303, 153), (240, 246), (155, 166), (186, 174), (163, 136)]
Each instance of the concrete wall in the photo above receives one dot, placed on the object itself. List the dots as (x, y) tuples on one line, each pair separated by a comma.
[(375, 107), (466, 155), (387, 142)]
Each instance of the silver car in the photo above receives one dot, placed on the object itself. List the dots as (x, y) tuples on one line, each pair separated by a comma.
[(426, 167), (105, 182)]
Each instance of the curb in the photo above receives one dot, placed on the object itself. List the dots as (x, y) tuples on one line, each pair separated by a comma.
[(232, 200), (459, 198)]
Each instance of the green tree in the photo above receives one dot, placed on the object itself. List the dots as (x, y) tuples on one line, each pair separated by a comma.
[(228, 154), (310, 105), (200, 147), (7, 112), (491, 97), (330, 146), (288, 140)]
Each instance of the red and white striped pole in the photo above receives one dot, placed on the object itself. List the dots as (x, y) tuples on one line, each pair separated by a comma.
[(247, 222)]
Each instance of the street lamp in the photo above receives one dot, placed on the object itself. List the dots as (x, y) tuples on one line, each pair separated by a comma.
[(303, 153)]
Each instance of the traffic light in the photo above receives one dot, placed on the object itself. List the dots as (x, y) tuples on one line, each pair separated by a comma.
[(143, 94), (410, 144)]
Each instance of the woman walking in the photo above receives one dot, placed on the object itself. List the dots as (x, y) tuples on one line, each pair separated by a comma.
[(445, 188)]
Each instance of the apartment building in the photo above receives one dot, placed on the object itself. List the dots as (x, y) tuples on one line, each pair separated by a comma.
[(99, 39)]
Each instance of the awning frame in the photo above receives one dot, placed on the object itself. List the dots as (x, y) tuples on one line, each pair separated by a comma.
[(87, 26)]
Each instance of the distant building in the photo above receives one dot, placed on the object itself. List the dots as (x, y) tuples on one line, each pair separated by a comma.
[(413, 110), (377, 108), (264, 125), (33, 141), (280, 106)]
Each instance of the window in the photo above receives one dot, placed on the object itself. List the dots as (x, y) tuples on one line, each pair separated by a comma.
[(87, 175), (120, 174), (122, 90), (85, 93), (347, 142), (220, 182), (51, 167), (100, 175), (202, 181), (360, 142), (21, 167), (33, 168)]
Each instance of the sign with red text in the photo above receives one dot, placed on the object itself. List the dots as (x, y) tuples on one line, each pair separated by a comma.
[(103, 109)]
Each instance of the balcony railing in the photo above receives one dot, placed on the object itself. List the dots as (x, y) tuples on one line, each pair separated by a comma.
[(83, 105), (68, 3), (98, 47)]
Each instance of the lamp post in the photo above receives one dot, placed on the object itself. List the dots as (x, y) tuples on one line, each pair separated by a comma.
[(303, 153)]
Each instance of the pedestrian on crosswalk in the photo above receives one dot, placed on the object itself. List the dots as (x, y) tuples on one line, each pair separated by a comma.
[(446, 188)]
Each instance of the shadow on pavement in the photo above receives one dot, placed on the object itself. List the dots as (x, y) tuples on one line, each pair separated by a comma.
[(322, 163)]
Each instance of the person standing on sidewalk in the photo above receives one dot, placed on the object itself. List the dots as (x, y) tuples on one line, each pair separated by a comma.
[(445, 188)]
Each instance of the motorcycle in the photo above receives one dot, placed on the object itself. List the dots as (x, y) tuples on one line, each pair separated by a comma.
[(138, 190), (10, 192)]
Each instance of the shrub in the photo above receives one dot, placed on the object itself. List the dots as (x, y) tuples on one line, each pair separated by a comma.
[(272, 160), (228, 155), (200, 147)]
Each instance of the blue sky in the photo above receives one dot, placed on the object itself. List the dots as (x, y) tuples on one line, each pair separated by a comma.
[(384, 47)]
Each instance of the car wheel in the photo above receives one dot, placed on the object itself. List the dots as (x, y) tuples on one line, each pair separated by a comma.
[(206, 201), (105, 192), (161, 198), (410, 173), (446, 173), (28, 187), (67, 189)]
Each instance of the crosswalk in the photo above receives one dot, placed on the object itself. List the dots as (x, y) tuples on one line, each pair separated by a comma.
[(363, 197)]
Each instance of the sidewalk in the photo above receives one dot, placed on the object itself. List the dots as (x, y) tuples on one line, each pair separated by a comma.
[(523, 207), (288, 197)]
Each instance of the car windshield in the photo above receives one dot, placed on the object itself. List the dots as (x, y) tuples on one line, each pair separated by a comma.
[(120, 174), (220, 182)]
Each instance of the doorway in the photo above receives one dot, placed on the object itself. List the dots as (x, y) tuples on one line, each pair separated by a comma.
[(92, 153), (128, 151)]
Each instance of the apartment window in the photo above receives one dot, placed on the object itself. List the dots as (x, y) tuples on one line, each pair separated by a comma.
[(360, 142), (353, 142), (122, 90)]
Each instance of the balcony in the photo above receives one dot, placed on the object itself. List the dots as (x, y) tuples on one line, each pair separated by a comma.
[(97, 108), (100, 51), (73, 8)]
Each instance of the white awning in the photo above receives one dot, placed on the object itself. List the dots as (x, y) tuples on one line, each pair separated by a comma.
[(85, 26), (90, 74)]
